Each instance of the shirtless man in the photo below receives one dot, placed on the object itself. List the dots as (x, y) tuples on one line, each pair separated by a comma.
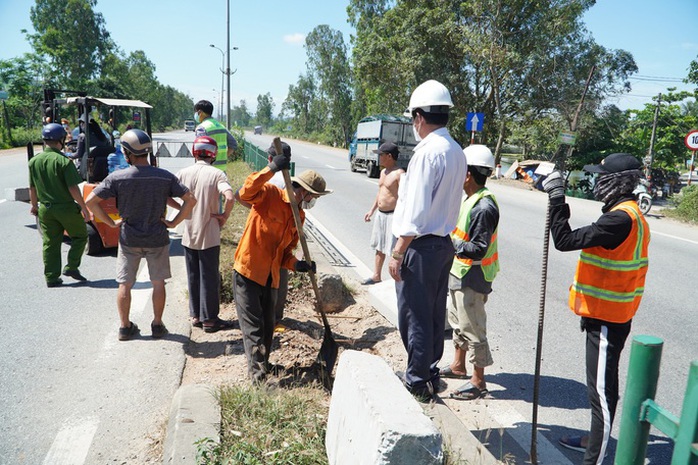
[(382, 239)]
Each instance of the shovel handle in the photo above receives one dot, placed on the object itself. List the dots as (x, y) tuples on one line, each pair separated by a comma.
[(301, 234)]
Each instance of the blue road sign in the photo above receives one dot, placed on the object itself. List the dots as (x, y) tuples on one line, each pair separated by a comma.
[(474, 122)]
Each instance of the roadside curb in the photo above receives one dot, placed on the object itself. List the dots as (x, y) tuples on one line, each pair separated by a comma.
[(195, 414)]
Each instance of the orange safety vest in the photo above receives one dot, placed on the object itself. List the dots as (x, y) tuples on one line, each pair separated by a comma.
[(608, 284), (490, 262)]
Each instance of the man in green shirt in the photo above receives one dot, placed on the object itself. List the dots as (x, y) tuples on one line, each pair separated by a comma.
[(53, 192)]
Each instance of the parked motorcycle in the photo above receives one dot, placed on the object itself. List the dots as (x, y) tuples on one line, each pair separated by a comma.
[(643, 197)]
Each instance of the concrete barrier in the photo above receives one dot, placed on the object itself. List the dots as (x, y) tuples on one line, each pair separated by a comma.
[(373, 420), (195, 414), (19, 194)]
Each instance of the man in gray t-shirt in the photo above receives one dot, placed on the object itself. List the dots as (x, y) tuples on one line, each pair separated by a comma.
[(141, 193)]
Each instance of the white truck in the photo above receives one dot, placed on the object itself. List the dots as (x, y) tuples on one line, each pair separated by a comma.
[(374, 130)]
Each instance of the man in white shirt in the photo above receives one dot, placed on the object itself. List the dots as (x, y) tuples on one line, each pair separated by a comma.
[(426, 212), (202, 234)]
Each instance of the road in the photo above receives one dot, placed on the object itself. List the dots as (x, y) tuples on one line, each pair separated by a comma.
[(72, 394), (64, 375), (667, 309)]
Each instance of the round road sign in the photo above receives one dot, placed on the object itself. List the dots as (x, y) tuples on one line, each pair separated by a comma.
[(691, 140)]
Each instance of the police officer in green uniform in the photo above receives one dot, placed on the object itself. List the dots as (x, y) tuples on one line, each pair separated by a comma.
[(211, 127), (53, 192)]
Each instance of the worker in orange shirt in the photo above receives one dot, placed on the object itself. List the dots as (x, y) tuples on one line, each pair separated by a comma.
[(266, 246)]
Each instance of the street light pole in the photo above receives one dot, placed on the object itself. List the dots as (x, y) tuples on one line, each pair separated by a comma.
[(227, 69), (220, 106)]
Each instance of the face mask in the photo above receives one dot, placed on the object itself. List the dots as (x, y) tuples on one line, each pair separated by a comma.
[(65, 126), (196, 117), (307, 205), (416, 133)]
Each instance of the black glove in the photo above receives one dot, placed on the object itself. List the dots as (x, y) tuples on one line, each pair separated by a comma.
[(279, 162), (304, 267), (554, 185)]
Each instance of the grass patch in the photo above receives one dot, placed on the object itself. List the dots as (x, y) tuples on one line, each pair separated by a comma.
[(237, 171), (269, 427)]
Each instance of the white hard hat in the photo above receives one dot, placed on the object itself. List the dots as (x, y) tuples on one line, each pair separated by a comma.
[(431, 96), (479, 155)]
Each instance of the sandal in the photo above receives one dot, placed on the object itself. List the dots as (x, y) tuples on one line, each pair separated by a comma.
[(158, 331), (369, 281), (218, 325), (195, 322), (573, 443), (126, 334), (447, 372), (468, 392)]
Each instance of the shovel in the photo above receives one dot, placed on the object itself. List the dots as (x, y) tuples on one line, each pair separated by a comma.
[(329, 348)]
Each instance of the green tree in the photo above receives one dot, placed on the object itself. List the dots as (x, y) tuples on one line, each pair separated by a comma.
[(328, 62), (73, 37), (265, 107), (22, 78), (298, 105), (240, 114)]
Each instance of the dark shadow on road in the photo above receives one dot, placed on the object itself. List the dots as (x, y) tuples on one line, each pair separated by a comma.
[(554, 392)]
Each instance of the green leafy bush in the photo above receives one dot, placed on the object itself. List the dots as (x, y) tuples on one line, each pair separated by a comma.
[(686, 204)]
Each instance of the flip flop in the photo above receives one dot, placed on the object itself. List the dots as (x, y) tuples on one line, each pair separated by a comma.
[(468, 392), (369, 281), (446, 372)]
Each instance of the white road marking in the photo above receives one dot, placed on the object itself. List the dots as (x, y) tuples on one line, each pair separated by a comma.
[(673, 237), (3, 200), (140, 298), (72, 442), (372, 181), (331, 167)]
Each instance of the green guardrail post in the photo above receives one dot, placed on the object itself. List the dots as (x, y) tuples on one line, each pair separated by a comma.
[(686, 442), (257, 158), (643, 376)]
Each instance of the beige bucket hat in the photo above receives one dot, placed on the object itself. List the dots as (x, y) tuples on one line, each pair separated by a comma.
[(312, 182)]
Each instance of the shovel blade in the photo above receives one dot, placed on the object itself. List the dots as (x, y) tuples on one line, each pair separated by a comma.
[(328, 352)]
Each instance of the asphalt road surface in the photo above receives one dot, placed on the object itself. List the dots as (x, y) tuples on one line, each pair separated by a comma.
[(72, 391), (667, 310)]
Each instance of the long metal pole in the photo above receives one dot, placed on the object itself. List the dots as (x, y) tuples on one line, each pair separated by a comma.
[(227, 69), (648, 169), (560, 165)]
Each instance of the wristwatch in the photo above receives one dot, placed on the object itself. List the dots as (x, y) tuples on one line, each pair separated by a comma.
[(397, 255)]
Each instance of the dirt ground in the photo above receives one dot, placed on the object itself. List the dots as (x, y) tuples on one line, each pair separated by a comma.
[(218, 359)]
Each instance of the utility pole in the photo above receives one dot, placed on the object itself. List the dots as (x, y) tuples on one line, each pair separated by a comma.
[(227, 70), (650, 155)]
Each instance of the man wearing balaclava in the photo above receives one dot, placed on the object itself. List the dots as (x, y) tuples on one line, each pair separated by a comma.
[(607, 286)]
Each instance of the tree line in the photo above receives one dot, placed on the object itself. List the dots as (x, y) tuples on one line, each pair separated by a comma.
[(73, 50), (523, 64)]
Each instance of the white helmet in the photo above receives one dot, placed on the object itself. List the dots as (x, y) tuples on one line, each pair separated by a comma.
[(431, 96), (479, 155)]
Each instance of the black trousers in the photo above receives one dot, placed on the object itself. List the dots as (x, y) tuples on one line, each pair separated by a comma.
[(255, 307), (203, 277), (604, 344), (421, 300)]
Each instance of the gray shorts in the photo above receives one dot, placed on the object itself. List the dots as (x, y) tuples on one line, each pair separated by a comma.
[(382, 239), (129, 258)]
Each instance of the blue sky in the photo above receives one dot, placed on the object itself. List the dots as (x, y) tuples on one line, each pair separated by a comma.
[(269, 35)]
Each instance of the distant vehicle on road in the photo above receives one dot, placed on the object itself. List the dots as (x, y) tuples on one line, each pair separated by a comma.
[(371, 132), (189, 125), (258, 129)]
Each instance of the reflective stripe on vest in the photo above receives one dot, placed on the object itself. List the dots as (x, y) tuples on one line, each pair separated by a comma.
[(219, 133), (609, 284), (490, 262)]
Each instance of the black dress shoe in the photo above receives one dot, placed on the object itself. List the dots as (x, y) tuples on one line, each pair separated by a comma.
[(56, 283), (75, 274)]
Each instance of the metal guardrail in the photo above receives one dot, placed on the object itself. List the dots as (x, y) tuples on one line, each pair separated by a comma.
[(640, 411), (257, 158)]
